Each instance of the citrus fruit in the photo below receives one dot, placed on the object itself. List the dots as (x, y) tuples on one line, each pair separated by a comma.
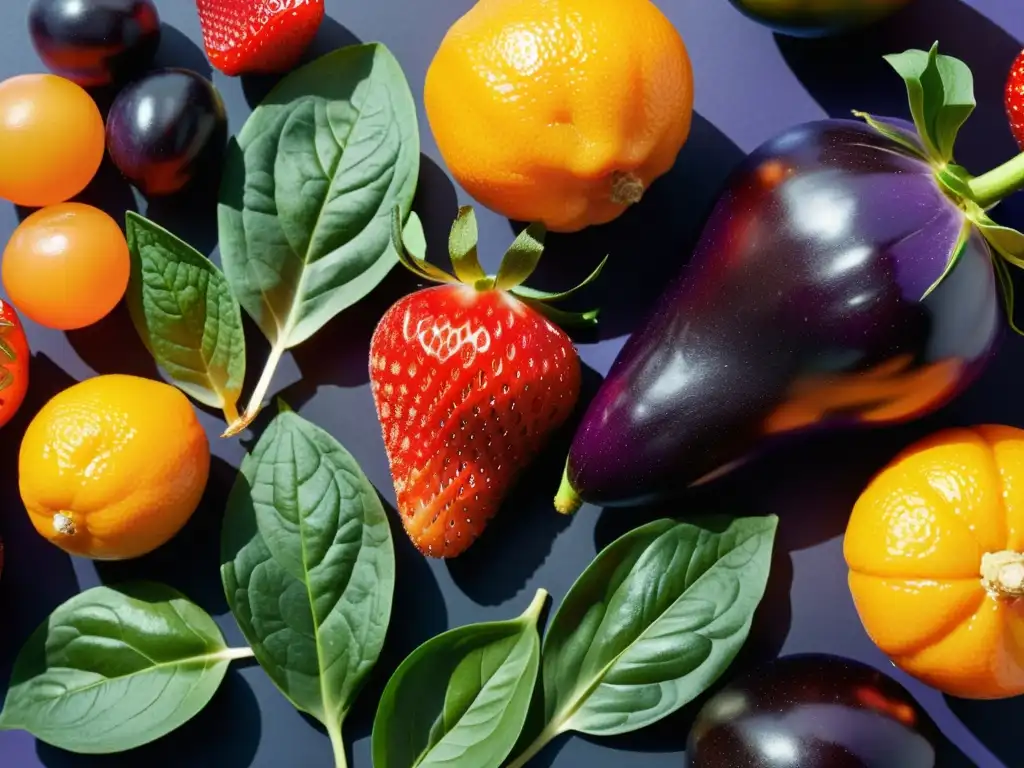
[(51, 139), (560, 111), (66, 266), (113, 467), (935, 547)]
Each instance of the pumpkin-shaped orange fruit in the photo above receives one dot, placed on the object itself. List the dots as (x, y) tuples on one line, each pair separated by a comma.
[(935, 547)]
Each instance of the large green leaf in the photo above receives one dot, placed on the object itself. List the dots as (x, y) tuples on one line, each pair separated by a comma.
[(309, 186), (308, 567), (114, 668), (650, 625), (184, 312), (461, 698)]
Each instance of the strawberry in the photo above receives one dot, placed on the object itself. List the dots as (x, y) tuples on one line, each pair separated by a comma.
[(266, 36), (1015, 99), (470, 378)]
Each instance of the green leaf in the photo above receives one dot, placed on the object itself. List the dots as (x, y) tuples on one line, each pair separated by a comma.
[(185, 314), (308, 567), (652, 623), (1002, 270), (308, 188), (561, 317), (461, 698), (462, 244), (941, 92), (1007, 242), (114, 668), (954, 257), (413, 254), (894, 132), (414, 237), (521, 258), (525, 292)]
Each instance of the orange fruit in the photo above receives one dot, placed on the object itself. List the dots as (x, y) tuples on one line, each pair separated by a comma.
[(560, 111), (66, 266), (113, 467), (935, 547), (51, 139)]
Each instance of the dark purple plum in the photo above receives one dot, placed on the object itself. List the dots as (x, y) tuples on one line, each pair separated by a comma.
[(813, 711), (95, 42), (166, 128), (801, 310)]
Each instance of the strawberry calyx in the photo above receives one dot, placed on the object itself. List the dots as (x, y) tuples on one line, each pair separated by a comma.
[(7, 353), (517, 265)]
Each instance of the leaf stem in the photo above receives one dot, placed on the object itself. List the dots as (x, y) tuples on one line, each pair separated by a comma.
[(234, 654), (259, 394), (543, 739), (999, 183), (230, 412), (338, 745)]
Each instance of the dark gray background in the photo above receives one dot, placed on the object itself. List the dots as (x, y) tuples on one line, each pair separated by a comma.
[(749, 85)]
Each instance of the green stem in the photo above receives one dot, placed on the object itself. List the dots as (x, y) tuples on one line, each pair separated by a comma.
[(338, 745), (234, 654), (259, 394), (543, 739), (999, 183), (567, 501)]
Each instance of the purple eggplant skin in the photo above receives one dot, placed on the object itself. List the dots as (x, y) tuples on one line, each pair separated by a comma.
[(166, 128), (801, 310), (95, 42), (813, 711)]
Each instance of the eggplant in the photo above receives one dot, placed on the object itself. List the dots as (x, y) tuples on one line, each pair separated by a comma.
[(813, 711), (817, 18), (845, 278)]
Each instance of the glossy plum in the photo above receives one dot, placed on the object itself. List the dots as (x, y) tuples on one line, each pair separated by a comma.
[(817, 18), (801, 310), (813, 711), (95, 42), (165, 128)]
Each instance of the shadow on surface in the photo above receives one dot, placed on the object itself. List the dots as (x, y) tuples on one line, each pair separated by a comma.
[(649, 243), (191, 213), (225, 734), (37, 576), (339, 353), (178, 50), (329, 37), (107, 191), (113, 346), (519, 538), (418, 613), (989, 722), (190, 562)]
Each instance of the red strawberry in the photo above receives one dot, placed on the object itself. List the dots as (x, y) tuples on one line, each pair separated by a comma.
[(267, 36), (469, 379), (1015, 99)]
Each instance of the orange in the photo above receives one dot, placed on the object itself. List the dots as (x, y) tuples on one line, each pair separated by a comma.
[(935, 547), (66, 266), (51, 139), (560, 111), (113, 467)]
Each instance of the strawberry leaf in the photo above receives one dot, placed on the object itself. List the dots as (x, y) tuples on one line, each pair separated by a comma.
[(941, 92), (524, 292), (412, 262), (462, 246), (521, 258)]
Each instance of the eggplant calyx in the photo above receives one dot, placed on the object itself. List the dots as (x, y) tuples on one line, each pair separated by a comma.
[(567, 501), (518, 263), (1002, 574)]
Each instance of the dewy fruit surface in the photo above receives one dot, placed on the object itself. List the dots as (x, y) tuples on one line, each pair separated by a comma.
[(113, 467), (934, 548), (560, 111)]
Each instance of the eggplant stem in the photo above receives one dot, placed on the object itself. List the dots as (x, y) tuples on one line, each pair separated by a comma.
[(999, 183), (567, 501)]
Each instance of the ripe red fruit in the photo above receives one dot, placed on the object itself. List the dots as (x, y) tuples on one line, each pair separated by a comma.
[(14, 363), (1015, 99), (265, 36), (469, 379)]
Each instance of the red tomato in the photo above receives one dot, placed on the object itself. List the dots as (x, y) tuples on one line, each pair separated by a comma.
[(14, 358)]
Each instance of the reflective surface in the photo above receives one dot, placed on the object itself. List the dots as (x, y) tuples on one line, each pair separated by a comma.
[(812, 711), (801, 309), (814, 18)]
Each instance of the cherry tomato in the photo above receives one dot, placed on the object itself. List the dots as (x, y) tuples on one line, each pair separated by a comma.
[(14, 359), (51, 139), (66, 266)]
